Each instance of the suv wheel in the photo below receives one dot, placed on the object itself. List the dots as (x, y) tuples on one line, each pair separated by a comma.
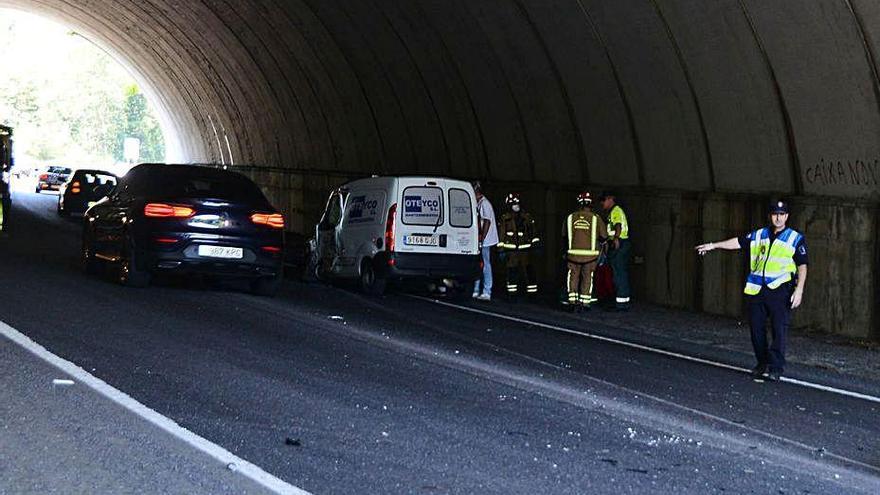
[(129, 274), (87, 255)]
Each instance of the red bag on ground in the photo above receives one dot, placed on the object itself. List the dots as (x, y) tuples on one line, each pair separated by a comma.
[(603, 283)]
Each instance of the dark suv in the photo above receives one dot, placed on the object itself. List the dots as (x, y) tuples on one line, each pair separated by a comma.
[(185, 218)]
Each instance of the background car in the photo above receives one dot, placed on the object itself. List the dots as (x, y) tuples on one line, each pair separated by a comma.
[(84, 189), (52, 178), (186, 219)]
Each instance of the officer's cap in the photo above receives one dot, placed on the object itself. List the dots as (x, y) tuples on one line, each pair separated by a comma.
[(778, 206)]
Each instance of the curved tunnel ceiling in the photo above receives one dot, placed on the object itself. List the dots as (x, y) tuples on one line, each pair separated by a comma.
[(729, 95)]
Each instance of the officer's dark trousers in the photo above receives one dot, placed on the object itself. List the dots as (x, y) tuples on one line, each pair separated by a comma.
[(775, 305), (619, 261)]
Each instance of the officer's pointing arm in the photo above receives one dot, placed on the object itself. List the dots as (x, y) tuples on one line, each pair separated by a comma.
[(729, 244)]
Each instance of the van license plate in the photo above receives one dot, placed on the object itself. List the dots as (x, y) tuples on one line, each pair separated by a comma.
[(221, 252), (421, 240)]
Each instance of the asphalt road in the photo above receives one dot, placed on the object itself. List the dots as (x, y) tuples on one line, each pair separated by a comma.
[(335, 392)]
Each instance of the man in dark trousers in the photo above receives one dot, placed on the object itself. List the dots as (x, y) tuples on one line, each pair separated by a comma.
[(619, 249), (774, 287)]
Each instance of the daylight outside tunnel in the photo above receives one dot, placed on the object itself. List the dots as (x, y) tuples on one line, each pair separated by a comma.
[(695, 113)]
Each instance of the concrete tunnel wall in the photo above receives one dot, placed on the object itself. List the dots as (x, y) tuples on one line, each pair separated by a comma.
[(696, 111)]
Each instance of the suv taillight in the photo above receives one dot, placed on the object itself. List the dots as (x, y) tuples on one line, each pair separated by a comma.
[(44, 176), (389, 228), (274, 220), (75, 187), (162, 210)]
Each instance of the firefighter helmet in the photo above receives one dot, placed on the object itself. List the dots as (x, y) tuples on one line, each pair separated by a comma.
[(584, 199), (512, 199)]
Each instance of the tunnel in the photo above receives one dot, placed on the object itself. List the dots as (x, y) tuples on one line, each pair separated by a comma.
[(696, 112)]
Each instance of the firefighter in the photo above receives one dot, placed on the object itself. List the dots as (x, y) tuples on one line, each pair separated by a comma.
[(583, 233), (519, 239)]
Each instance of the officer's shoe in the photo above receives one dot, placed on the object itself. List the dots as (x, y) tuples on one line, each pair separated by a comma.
[(759, 371), (773, 376)]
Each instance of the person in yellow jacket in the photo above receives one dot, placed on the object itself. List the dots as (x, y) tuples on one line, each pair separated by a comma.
[(519, 238), (582, 234), (619, 249), (774, 286)]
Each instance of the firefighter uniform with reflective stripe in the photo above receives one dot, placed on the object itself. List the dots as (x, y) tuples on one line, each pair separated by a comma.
[(519, 238), (583, 232), (773, 262)]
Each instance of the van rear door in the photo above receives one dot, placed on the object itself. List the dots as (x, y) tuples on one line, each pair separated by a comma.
[(435, 216)]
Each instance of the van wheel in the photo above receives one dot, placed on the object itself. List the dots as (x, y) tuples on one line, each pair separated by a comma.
[(371, 282)]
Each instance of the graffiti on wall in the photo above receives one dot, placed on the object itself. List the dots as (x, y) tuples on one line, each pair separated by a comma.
[(856, 173)]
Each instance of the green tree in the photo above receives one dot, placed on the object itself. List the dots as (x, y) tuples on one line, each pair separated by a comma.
[(67, 99), (137, 122)]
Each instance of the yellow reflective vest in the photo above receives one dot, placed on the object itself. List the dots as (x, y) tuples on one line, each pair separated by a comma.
[(772, 262)]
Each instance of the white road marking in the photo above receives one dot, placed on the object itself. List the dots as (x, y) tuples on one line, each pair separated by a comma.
[(793, 381), (249, 470)]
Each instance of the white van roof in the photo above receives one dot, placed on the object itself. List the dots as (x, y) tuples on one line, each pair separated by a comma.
[(393, 178)]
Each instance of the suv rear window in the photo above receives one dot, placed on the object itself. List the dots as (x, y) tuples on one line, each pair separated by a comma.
[(201, 183), (461, 210), (422, 206), (58, 170)]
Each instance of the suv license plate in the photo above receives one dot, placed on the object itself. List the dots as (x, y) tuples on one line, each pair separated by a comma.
[(221, 252), (421, 240)]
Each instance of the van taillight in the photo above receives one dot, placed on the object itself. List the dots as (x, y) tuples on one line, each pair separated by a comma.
[(389, 228)]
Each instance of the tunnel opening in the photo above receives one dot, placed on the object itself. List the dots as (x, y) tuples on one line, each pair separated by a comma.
[(71, 103)]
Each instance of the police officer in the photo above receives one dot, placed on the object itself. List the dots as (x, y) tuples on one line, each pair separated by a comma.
[(583, 232), (619, 249), (518, 239), (775, 284)]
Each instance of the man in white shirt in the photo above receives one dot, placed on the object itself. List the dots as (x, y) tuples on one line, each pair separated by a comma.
[(488, 237)]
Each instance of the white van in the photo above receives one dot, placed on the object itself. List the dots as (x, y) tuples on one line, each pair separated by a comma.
[(394, 228)]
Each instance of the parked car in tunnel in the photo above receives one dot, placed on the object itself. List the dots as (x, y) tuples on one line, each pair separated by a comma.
[(185, 219), (382, 229), (52, 178), (84, 189)]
